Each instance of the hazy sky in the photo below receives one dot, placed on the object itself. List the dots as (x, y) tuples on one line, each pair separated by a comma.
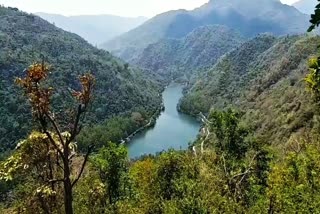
[(130, 8)]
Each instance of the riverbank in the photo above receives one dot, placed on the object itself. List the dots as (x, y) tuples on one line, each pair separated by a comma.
[(205, 133), (150, 124), (172, 129)]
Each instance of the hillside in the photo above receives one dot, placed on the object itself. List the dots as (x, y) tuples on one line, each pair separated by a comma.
[(202, 47), (244, 16), (263, 79), (96, 29), (26, 38), (256, 99), (305, 6)]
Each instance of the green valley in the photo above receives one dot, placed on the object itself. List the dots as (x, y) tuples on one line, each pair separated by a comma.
[(173, 58), (213, 109)]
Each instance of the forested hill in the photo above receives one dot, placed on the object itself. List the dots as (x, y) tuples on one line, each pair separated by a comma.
[(202, 47), (263, 77), (26, 38), (247, 16)]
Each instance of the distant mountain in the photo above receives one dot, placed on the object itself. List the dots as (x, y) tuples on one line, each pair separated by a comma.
[(96, 29), (246, 16), (306, 6), (262, 78), (201, 48), (25, 38)]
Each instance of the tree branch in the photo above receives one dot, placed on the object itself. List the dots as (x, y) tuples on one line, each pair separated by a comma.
[(75, 125), (247, 171), (57, 162), (83, 165), (43, 123), (224, 165), (55, 127), (54, 143), (55, 180)]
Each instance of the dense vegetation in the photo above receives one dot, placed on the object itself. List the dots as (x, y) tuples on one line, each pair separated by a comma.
[(263, 77), (246, 16), (173, 58), (263, 158), (234, 173), (26, 38)]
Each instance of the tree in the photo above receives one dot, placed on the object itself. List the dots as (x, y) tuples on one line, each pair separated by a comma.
[(34, 160), (60, 146), (231, 136), (169, 168), (315, 18), (243, 161), (112, 165), (294, 185), (313, 79)]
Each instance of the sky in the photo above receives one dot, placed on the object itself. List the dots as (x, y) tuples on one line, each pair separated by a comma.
[(128, 8)]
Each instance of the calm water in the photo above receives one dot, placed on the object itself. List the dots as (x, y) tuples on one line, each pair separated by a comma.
[(172, 129)]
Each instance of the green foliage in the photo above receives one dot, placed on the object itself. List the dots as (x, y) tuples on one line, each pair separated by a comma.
[(232, 172), (90, 194), (212, 182), (32, 165), (112, 164), (294, 182), (231, 137), (113, 130), (313, 78), (26, 38), (262, 78), (174, 58), (168, 183), (242, 160), (315, 18), (167, 172)]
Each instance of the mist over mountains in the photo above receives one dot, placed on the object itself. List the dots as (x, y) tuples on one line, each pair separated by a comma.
[(305, 6), (96, 29)]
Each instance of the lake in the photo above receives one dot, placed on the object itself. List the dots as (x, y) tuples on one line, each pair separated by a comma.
[(172, 129)]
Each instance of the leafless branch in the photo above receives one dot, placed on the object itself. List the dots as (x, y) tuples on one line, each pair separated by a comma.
[(247, 171), (83, 165), (57, 162), (54, 143), (224, 165), (56, 127), (55, 180), (74, 132)]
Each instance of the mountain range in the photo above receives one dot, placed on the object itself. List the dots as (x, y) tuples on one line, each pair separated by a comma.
[(201, 48), (248, 17), (96, 29), (244, 72)]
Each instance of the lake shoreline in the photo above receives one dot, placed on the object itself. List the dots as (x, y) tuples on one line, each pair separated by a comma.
[(150, 124), (168, 128)]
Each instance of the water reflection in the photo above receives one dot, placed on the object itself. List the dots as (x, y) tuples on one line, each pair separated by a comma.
[(172, 129)]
